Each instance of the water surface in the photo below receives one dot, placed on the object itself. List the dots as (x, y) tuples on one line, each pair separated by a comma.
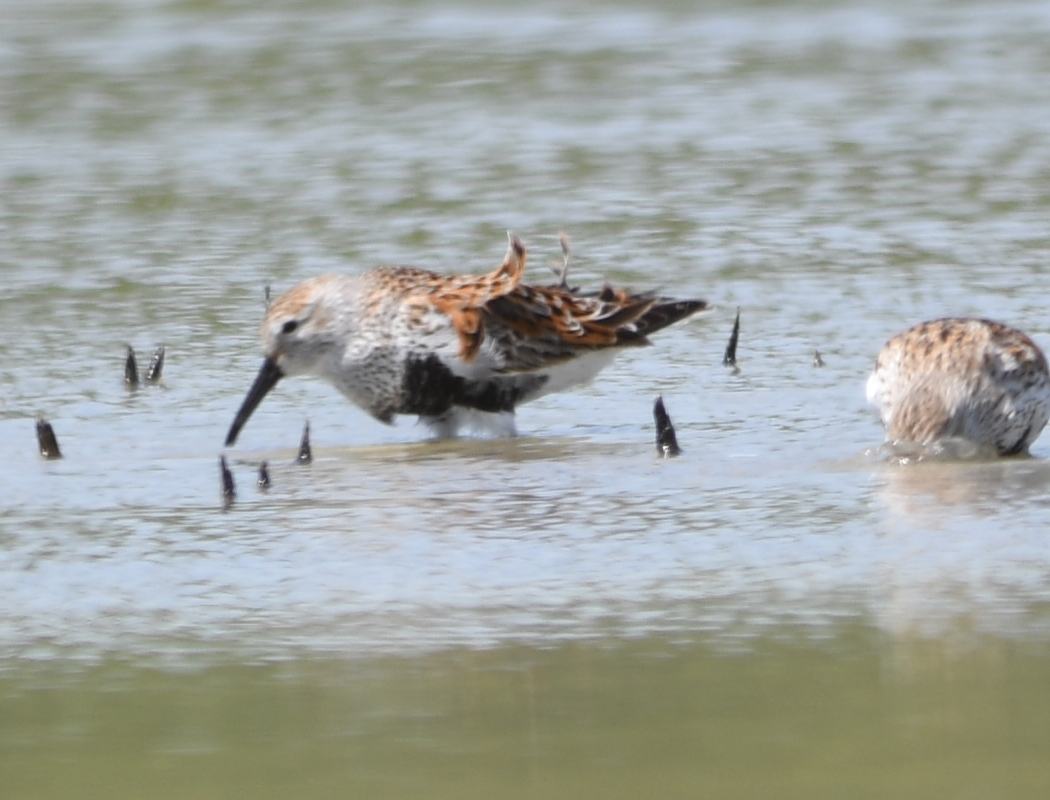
[(837, 171)]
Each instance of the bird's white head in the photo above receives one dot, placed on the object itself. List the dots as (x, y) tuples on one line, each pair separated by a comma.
[(299, 332)]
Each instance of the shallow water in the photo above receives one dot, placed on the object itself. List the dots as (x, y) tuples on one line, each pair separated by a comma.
[(836, 172)]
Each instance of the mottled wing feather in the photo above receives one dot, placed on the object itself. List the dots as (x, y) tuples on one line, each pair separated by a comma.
[(666, 312), (531, 327), (538, 312), (462, 298), (538, 327)]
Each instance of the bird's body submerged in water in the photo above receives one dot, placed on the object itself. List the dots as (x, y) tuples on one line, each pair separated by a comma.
[(455, 350), (959, 377)]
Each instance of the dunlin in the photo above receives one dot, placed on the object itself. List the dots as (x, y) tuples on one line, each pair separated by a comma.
[(958, 377), (458, 351)]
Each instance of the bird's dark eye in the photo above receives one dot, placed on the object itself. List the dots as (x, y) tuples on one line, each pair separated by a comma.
[(290, 326)]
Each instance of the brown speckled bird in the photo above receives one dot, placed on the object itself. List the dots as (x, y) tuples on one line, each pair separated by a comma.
[(960, 377), (458, 351)]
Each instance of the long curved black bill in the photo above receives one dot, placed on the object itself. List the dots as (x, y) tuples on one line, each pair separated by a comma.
[(267, 378)]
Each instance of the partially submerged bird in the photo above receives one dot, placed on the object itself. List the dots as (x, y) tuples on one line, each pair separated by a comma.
[(959, 377), (457, 351)]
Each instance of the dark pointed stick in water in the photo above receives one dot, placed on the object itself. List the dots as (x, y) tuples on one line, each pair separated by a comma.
[(305, 455), (131, 369), (264, 477), (729, 360), (156, 365), (229, 492), (666, 441), (817, 360), (45, 438), (266, 296)]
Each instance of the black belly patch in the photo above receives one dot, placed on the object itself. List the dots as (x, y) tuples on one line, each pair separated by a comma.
[(429, 388)]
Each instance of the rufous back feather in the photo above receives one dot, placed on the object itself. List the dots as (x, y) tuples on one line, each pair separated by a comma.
[(463, 298)]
